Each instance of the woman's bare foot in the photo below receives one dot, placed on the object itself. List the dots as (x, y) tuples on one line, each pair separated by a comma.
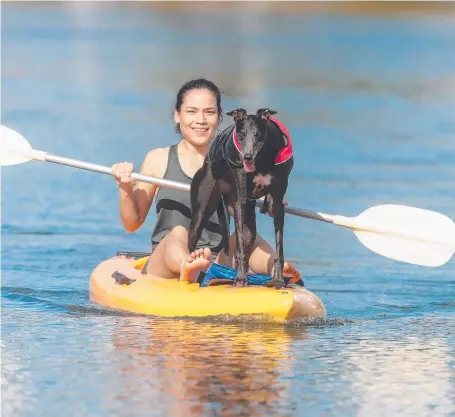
[(290, 271), (196, 262)]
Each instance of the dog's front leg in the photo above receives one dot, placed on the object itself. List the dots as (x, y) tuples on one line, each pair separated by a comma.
[(241, 262), (249, 232), (205, 197), (243, 233), (278, 220)]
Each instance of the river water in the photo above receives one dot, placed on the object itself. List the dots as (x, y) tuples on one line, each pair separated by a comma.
[(369, 100)]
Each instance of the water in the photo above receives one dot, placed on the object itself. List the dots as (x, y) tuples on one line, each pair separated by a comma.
[(369, 100)]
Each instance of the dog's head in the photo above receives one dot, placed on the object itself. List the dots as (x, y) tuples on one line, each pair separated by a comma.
[(250, 133)]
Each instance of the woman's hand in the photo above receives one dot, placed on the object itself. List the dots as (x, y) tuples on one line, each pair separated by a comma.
[(122, 173)]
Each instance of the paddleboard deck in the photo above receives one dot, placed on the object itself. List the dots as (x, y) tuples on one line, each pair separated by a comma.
[(118, 283)]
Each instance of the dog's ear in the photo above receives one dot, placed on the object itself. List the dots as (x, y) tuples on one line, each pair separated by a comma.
[(265, 113), (238, 113)]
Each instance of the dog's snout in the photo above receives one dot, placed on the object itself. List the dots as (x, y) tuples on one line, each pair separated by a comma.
[(248, 157)]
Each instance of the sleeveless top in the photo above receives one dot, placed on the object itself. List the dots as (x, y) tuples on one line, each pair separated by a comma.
[(173, 208)]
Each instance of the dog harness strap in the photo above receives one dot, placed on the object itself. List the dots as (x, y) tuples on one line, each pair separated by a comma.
[(236, 141), (284, 154)]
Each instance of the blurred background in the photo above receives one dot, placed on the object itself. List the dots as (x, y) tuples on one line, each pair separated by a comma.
[(367, 90)]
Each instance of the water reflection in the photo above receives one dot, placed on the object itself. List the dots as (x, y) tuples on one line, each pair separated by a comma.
[(18, 393), (403, 377), (370, 100), (235, 369)]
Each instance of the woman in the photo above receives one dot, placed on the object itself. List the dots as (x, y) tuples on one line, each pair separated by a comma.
[(197, 114)]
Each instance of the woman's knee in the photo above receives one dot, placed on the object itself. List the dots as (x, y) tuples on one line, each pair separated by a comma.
[(176, 238), (176, 242), (179, 232), (165, 260)]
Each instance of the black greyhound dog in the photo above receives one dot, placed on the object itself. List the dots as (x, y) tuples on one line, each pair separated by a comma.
[(250, 159)]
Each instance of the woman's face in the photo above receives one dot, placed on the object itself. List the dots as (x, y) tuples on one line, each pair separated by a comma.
[(198, 116)]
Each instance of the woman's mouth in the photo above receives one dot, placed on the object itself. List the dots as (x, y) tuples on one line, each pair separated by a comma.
[(200, 130)]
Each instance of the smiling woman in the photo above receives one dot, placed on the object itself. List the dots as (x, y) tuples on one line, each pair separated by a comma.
[(197, 114)]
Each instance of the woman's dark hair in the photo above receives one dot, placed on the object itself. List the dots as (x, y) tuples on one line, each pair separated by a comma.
[(200, 83)]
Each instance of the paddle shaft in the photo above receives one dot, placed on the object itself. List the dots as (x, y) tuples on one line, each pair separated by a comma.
[(348, 222), (108, 171), (309, 214), (407, 234)]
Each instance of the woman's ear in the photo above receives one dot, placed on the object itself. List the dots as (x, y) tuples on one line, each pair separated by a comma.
[(176, 116)]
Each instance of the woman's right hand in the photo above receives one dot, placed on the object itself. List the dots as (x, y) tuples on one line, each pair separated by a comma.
[(122, 173)]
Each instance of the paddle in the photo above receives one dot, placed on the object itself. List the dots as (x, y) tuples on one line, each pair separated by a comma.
[(403, 233)]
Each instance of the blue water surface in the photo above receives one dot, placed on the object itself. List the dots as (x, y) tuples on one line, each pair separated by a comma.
[(369, 101)]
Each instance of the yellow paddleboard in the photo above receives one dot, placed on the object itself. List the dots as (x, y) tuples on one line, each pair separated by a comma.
[(118, 283)]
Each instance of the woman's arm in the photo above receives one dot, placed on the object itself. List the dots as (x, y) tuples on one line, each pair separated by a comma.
[(135, 199)]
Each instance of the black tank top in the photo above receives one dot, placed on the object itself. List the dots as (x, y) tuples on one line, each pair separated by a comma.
[(173, 208)]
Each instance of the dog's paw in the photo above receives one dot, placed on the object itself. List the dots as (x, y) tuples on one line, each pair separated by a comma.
[(277, 280), (241, 282), (279, 284), (276, 283)]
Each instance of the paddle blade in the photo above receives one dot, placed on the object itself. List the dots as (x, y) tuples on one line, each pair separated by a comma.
[(14, 148), (408, 234)]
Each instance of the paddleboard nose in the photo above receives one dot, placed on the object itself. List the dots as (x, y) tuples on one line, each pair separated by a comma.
[(306, 304)]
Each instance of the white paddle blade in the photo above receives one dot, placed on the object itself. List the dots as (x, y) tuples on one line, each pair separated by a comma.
[(14, 148), (408, 234)]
